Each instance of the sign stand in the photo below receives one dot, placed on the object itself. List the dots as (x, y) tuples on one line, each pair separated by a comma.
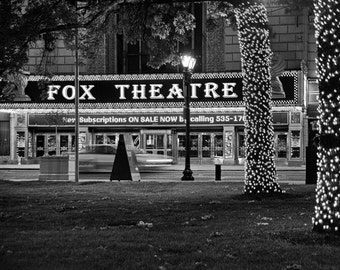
[(125, 163)]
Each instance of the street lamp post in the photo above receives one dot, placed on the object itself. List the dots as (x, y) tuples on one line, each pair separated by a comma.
[(76, 100), (188, 63), (76, 105)]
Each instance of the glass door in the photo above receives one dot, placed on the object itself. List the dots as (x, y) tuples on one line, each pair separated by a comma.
[(40, 146), (218, 145), (51, 145), (195, 148), (99, 139), (157, 142), (106, 138), (4, 138), (241, 149), (206, 146), (111, 139), (154, 143), (64, 144), (281, 145)]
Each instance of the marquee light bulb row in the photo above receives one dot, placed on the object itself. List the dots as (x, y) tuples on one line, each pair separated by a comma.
[(327, 209), (253, 34)]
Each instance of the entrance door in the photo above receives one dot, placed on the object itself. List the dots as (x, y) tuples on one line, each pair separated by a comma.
[(281, 145), (218, 145), (160, 144), (194, 146), (50, 144), (106, 138), (203, 147), (64, 144), (241, 150), (40, 147), (4, 138), (206, 146)]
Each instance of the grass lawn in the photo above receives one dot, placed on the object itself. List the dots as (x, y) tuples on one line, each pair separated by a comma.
[(149, 225)]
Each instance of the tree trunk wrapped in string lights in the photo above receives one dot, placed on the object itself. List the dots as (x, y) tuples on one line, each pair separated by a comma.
[(256, 55), (327, 33)]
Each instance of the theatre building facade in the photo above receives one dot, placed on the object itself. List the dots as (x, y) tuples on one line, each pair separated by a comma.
[(149, 107), (40, 119)]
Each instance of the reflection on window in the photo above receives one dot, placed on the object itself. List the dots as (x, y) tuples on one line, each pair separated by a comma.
[(154, 141), (281, 146), (206, 145), (99, 139), (218, 146), (21, 144), (51, 145), (63, 143), (193, 145), (295, 144)]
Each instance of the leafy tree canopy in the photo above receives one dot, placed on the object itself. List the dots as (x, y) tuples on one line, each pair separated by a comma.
[(24, 22), (161, 24)]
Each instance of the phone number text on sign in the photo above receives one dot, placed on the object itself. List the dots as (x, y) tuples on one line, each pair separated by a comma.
[(237, 118)]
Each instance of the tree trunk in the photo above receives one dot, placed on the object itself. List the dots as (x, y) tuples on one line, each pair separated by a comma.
[(256, 55), (327, 32)]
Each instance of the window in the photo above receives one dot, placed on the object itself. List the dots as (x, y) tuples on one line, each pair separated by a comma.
[(133, 58)]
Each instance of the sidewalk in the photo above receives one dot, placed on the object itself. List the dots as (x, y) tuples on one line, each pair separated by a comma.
[(20, 167)]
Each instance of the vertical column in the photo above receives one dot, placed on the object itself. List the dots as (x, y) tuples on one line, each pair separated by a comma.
[(12, 140)]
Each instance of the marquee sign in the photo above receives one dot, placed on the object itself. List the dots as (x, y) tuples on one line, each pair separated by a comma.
[(144, 119), (155, 90), (133, 119)]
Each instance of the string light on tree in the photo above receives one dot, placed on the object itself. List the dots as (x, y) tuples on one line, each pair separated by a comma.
[(327, 33), (253, 34)]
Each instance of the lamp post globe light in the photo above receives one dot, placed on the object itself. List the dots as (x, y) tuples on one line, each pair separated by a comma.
[(188, 63)]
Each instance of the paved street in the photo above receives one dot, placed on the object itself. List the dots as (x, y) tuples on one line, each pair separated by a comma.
[(170, 173)]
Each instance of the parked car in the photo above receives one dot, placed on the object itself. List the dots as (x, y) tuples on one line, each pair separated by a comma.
[(100, 158)]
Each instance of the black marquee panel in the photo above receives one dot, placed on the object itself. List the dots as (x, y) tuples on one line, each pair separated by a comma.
[(149, 90)]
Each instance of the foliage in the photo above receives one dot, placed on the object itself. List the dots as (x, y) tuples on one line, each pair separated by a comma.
[(24, 22), (161, 26)]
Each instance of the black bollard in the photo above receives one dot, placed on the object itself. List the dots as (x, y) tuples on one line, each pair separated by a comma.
[(217, 172)]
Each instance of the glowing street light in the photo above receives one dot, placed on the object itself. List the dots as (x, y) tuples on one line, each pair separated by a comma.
[(188, 63)]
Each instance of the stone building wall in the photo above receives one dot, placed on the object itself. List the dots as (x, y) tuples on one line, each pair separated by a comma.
[(61, 60), (292, 37)]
